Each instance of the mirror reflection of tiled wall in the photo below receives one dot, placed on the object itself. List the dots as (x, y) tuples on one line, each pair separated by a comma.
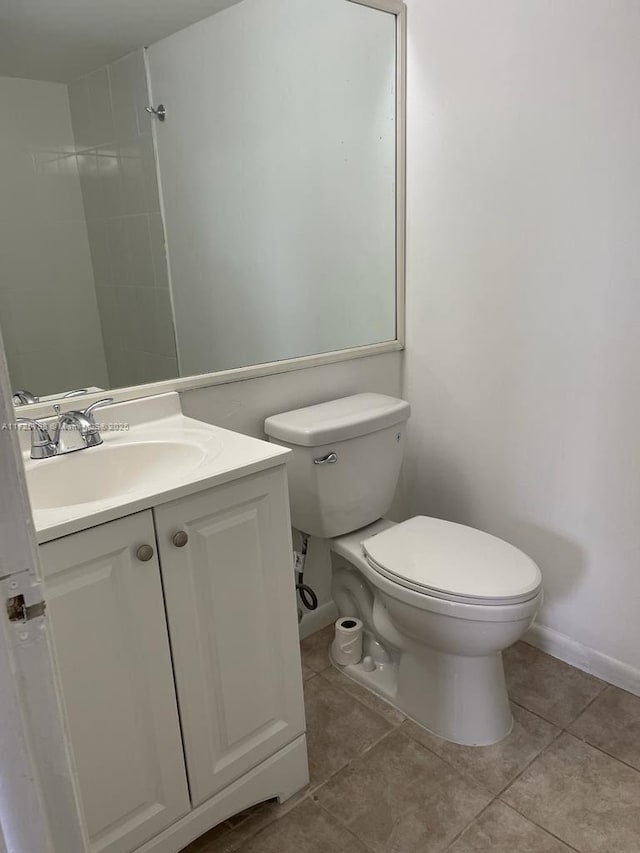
[(120, 191), (45, 272)]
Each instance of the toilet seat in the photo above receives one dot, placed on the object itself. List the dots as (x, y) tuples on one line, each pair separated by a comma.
[(453, 562)]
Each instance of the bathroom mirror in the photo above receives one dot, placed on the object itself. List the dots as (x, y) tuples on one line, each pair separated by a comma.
[(189, 190)]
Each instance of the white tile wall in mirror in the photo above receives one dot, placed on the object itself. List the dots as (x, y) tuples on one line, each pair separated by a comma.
[(259, 225)]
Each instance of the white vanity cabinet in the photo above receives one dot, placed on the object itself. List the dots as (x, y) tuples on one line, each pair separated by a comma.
[(234, 636), (179, 662), (109, 630)]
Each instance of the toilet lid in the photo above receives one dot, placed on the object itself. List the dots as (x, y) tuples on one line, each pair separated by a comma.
[(452, 561)]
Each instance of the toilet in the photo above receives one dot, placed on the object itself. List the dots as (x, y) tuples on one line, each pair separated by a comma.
[(439, 601)]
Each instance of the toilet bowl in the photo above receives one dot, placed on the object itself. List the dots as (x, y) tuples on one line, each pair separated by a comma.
[(440, 601), (437, 652)]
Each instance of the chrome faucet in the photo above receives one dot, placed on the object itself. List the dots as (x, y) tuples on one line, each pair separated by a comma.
[(77, 393), (77, 429), (22, 397), (74, 430), (42, 447)]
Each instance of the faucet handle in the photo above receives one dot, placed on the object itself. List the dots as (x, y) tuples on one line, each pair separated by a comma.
[(97, 405), (22, 397), (42, 447), (77, 393), (91, 408)]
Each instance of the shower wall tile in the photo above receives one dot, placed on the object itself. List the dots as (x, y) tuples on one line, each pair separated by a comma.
[(158, 251), (121, 76), (149, 173), (139, 257), (133, 177), (110, 182), (117, 240), (101, 115), (165, 342), (122, 206), (88, 169), (80, 115), (98, 231), (56, 186)]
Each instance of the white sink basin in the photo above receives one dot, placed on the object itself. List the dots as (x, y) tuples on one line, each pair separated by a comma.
[(105, 473), (151, 454)]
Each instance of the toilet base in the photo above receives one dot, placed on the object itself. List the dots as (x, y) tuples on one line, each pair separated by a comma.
[(460, 699)]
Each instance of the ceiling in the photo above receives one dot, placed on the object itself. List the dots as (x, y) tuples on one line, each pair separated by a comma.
[(60, 40)]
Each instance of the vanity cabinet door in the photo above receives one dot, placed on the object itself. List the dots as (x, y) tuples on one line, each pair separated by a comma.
[(226, 562), (111, 645)]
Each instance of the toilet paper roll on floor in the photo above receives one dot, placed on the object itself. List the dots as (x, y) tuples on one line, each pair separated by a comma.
[(347, 644)]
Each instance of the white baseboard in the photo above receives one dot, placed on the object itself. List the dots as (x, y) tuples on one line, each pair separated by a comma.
[(314, 620), (584, 658)]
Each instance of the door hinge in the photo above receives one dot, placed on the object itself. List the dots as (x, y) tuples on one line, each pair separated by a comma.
[(19, 611)]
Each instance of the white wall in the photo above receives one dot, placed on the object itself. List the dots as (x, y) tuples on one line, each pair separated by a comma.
[(46, 280), (243, 406), (523, 304), (277, 164)]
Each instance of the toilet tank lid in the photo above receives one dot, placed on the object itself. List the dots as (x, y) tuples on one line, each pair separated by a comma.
[(337, 420)]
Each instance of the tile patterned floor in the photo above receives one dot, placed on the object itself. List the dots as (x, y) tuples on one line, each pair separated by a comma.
[(566, 779)]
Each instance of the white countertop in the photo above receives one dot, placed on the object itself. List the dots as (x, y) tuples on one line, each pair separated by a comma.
[(221, 456)]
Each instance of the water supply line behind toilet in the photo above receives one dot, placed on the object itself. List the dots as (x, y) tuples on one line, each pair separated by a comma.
[(306, 593)]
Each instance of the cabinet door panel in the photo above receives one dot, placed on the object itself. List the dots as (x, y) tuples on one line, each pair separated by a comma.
[(111, 644), (232, 618)]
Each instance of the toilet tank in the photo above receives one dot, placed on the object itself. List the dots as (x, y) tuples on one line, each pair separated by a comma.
[(345, 463)]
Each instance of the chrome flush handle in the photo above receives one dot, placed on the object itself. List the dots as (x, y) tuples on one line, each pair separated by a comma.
[(329, 459)]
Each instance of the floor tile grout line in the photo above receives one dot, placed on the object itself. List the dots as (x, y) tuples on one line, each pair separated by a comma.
[(528, 765), (521, 772), (470, 824), (495, 798), (257, 833), (344, 826), (536, 714), (587, 706), (528, 817), (467, 777), (364, 704), (316, 671), (314, 790), (555, 723), (462, 775), (326, 782), (601, 750), (500, 796), (377, 741), (269, 823), (540, 826)]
